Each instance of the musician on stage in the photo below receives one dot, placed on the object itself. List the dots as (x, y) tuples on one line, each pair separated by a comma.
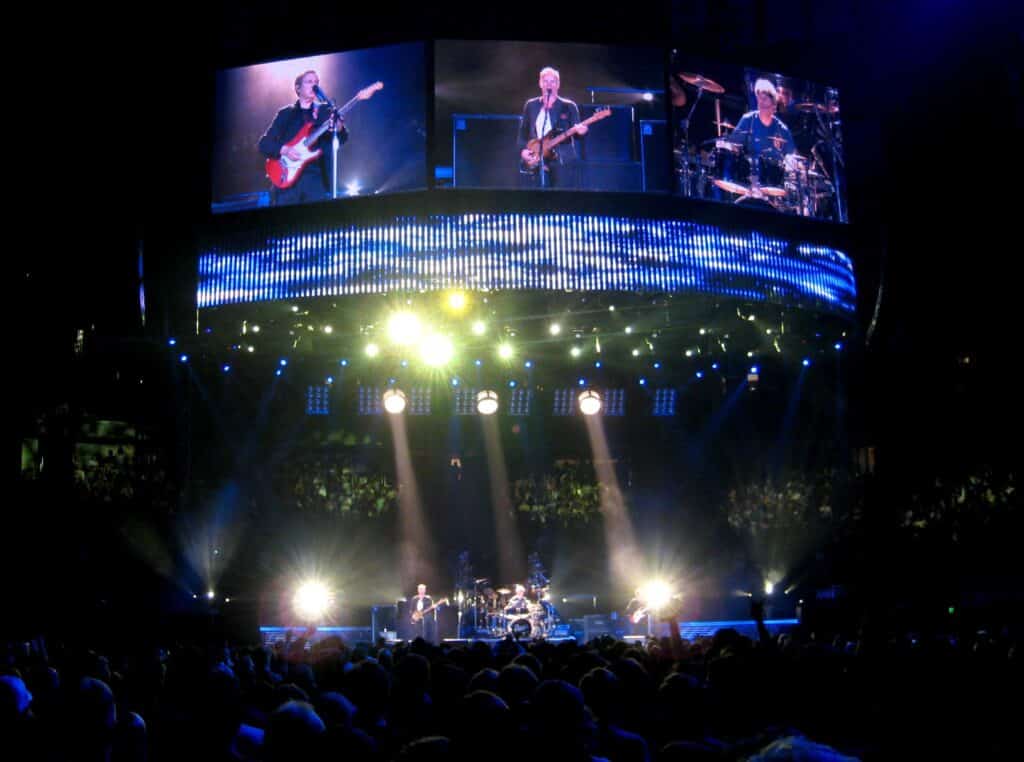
[(518, 603), (313, 184), (761, 132), (424, 625), (550, 113), (638, 616)]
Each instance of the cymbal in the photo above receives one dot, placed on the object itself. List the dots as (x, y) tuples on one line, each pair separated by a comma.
[(503, 591), (731, 187), (701, 82), (726, 125), (809, 107)]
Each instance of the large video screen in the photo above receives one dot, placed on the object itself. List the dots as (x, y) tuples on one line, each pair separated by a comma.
[(319, 128), (528, 115), (757, 139)]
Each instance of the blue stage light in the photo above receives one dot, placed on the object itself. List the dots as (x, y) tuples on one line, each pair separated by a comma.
[(183, 358), (283, 362), (528, 364), (225, 367), (643, 382), (806, 363), (512, 384), (343, 363), (172, 342), (478, 363), (700, 374)]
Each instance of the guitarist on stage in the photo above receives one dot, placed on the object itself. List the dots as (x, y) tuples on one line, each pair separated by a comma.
[(546, 115), (313, 183), (423, 625)]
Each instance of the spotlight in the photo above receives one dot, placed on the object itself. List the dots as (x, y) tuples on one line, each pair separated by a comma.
[(714, 366), (597, 364), (643, 381), (343, 363), (255, 329), (700, 374), (753, 370), (277, 372), (838, 346), (328, 329), (555, 329), (657, 366), (282, 362), (372, 350), (636, 353), (437, 350), (576, 352), (629, 329), (656, 594), (487, 402), (581, 381), (183, 358), (505, 352), (312, 599), (689, 353), (769, 587), (456, 301), (479, 328), (648, 97), (394, 401), (225, 368), (404, 328), (455, 382), (330, 380), (250, 349), (590, 402), (210, 595), (806, 363), (478, 363), (512, 384), (295, 308), (352, 188), (528, 364), (171, 342)]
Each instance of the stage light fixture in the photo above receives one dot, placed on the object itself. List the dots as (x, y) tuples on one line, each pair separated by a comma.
[(394, 401), (769, 587), (437, 350), (505, 351), (806, 362), (312, 600), (372, 350), (479, 328), (404, 328), (487, 402), (575, 351), (590, 402), (656, 594), (457, 301), (210, 595), (555, 329)]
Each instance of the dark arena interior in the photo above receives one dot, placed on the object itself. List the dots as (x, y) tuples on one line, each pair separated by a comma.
[(455, 382)]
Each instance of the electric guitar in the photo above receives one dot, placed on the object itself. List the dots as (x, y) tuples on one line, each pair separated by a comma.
[(545, 147), (417, 616), (284, 172), (639, 614)]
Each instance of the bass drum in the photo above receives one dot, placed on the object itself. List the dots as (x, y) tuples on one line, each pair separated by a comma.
[(519, 626)]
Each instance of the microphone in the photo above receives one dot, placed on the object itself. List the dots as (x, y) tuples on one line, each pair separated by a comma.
[(322, 95)]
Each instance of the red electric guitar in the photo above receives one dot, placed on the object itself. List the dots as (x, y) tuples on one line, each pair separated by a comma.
[(283, 172)]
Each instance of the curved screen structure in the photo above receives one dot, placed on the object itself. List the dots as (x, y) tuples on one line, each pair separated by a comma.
[(524, 251)]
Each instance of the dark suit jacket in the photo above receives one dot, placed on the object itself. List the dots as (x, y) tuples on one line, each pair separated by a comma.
[(564, 114)]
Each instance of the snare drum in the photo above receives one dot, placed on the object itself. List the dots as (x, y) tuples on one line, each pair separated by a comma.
[(769, 174), (730, 171)]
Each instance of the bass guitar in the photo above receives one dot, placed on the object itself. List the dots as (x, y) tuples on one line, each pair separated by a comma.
[(538, 147)]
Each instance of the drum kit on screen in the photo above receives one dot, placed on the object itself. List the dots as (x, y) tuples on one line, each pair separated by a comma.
[(499, 612), (722, 169)]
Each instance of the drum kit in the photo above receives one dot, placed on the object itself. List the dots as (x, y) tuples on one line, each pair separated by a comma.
[(532, 617), (721, 168)]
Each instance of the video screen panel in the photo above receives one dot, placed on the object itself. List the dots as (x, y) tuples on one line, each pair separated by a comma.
[(275, 126), (529, 115), (757, 139)]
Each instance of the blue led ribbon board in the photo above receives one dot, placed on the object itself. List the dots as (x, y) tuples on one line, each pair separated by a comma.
[(524, 251)]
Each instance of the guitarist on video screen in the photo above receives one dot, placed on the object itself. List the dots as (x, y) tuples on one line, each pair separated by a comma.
[(550, 116), (311, 182)]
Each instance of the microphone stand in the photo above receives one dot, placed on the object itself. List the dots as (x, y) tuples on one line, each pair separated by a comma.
[(335, 143), (546, 130)]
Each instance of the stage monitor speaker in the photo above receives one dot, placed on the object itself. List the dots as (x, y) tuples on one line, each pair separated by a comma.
[(610, 139), (485, 152), (596, 625), (383, 617), (654, 156), (615, 176)]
